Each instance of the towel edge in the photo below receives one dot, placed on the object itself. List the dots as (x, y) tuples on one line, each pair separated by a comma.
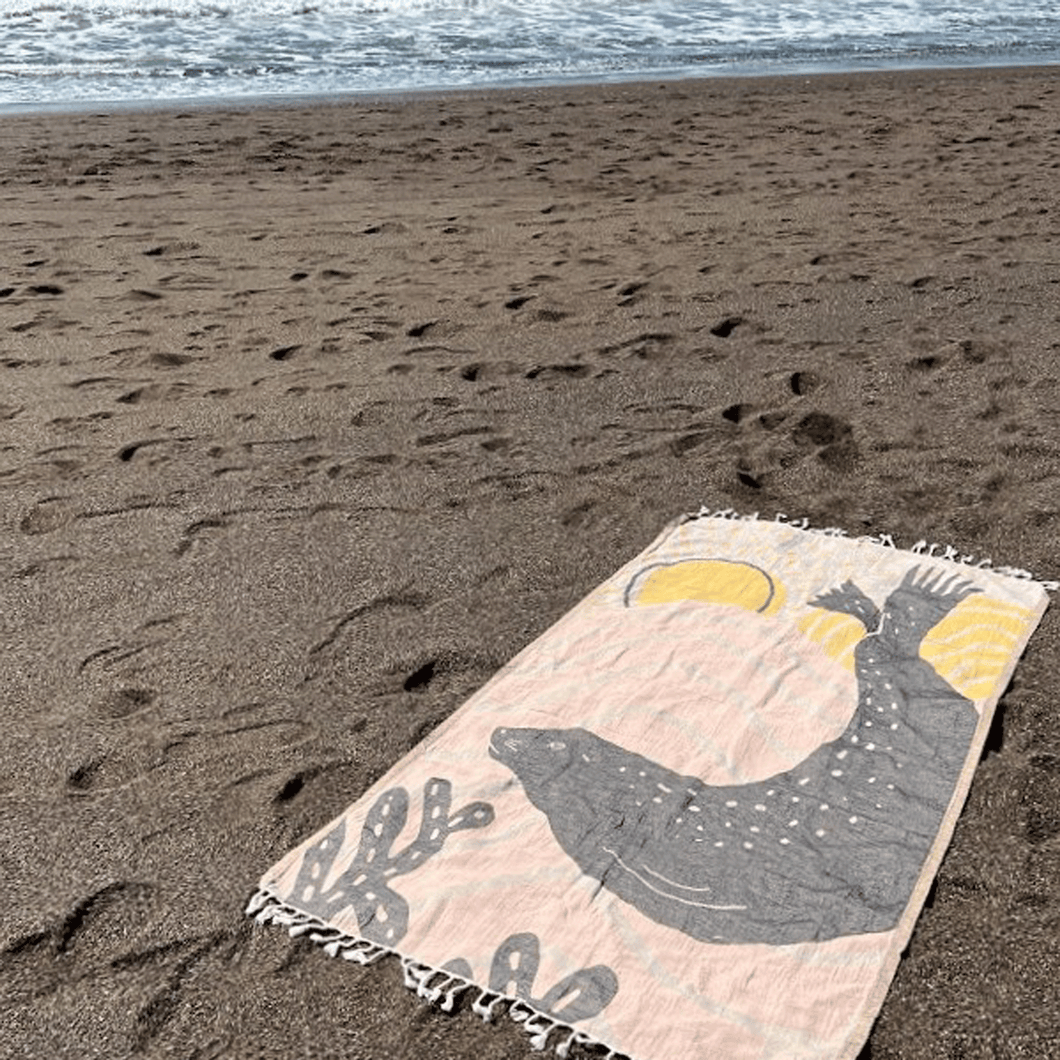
[(266, 907), (931, 550)]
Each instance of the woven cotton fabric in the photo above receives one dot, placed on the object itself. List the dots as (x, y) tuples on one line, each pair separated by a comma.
[(699, 816)]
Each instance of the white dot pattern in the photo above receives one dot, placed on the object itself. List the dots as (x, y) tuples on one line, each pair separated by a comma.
[(845, 792)]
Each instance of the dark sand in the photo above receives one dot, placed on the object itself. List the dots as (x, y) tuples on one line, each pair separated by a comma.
[(297, 403)]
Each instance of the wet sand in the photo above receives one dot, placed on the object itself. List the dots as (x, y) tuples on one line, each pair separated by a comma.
[(311, 417)]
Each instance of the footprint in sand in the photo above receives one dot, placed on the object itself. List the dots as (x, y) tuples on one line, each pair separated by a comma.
[(803, 383), (151, 760), (47, 515), (84, 937), (170, 360), (833, 437), (124, 702), (559, 371), (649, 346), (737, 413), (441, 437), (724, 328), (685, 443)]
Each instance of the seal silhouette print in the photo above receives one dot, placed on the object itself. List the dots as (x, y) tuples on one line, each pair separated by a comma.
[(832, 846), (699, 815)]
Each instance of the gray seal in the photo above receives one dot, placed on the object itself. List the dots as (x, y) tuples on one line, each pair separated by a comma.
[(830, 847)]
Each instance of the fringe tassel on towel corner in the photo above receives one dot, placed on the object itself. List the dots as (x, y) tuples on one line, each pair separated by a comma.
[(933, 550), (266, 908)]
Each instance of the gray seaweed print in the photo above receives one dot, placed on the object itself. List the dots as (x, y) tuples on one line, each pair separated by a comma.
[(578, 996), (831, 847), (382, 914)]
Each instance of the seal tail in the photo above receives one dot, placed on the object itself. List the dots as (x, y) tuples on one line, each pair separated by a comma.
[(919, 603)]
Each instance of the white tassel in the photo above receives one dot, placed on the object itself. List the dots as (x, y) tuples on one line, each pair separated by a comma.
[(418, 978), (355, 954), (257, 900), (449, 1001), (486, 1011), (575, 1037), (922, 547), (267, 908), (266, 915), (519, 1012), (440, 987), (539, 1033), (362, 952), (410, 974)]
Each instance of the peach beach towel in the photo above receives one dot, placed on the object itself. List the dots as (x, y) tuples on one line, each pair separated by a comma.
[(699, 816)]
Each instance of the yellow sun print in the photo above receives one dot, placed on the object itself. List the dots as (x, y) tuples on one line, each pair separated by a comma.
[(972, 646), (712, 581)]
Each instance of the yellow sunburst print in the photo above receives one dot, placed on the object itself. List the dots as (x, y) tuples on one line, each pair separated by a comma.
[(835, 634), (972, 646), (969, 648), (713, 581)]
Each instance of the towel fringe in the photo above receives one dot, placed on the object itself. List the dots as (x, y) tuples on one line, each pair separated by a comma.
[(266, 908), (442, 987), (922, 548), (437, 986)]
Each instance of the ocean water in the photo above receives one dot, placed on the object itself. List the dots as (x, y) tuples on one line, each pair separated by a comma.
[(75, 52)]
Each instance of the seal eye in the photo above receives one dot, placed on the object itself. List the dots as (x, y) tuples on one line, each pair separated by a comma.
[(557, 745)]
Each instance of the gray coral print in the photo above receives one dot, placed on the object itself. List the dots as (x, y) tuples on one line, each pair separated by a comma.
[(578, 996), (382, 913)]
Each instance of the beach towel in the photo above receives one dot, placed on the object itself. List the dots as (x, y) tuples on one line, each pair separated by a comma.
[(697, 817)]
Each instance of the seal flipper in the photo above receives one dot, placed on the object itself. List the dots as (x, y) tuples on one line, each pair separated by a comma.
[(654, 887), (848, 599), (704, 895)]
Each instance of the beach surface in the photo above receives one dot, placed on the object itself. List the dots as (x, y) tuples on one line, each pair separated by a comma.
[(312, 417)]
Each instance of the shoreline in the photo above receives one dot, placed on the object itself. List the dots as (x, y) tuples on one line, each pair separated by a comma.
[(633, 81)]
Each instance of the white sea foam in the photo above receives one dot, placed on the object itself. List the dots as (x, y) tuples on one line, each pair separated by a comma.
[(70, 50)]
